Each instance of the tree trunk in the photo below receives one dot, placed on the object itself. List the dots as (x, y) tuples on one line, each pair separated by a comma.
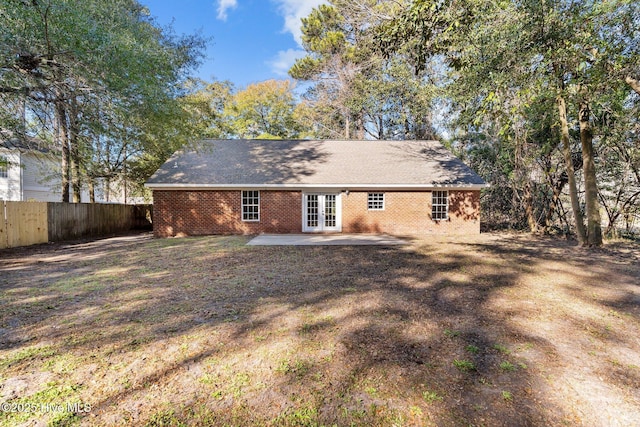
[(92, 191), (556, 189), (107, 189), (522, 181), (573, 188), (612, 214), (529, 208), (347, 126), (74, 151), (594, 230), (360, 126), (63, 140)]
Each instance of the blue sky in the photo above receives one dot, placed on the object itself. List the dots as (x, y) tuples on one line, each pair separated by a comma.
[(252, 40)]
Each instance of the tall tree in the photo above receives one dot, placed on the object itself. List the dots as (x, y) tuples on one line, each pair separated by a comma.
[(499, 52), (85, 64), (356, 92), (264, 110), (332, 62), (207, 103)]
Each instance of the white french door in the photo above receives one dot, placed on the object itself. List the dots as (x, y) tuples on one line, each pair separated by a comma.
[(322, 212)]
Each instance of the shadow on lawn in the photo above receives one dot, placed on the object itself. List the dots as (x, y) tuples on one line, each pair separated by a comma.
[(400, 322)]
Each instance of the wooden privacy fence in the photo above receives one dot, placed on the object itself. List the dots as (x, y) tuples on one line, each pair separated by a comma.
[(29, 223), (22, 224)]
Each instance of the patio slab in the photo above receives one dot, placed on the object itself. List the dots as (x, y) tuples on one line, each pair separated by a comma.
[(325, 239)]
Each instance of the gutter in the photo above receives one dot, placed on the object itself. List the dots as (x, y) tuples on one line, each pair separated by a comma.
[(306, 187)]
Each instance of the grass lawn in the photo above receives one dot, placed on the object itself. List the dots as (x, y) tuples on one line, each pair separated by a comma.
[(493, 330)]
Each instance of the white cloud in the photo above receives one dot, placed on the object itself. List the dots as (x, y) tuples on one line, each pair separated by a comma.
[(293, 11), (283, 61), (224, 6)]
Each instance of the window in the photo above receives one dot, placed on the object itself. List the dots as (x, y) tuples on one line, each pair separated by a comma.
[(4, 167), (251, 206), (375, 202), (440, 205)]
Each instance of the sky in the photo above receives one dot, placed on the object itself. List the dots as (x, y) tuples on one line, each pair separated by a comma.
[(251, 40)]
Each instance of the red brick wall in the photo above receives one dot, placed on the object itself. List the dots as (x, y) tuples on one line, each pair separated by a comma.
[(409, 213), (182, 213), (191, 213)]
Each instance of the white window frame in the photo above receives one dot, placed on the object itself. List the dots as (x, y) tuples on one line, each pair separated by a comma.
[(250, 200), (4, 167), (437, 197), (375, 201)]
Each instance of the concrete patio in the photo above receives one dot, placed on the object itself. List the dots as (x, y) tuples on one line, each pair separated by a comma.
[(324, 239)]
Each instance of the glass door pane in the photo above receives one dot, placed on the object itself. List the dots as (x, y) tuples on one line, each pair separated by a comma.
[(330, 210), (312, 210)]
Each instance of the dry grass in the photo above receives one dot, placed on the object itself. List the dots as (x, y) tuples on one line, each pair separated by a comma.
[(494, 330)]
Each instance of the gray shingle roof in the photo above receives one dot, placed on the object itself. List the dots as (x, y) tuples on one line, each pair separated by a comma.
[(308, 163), (23, 143)]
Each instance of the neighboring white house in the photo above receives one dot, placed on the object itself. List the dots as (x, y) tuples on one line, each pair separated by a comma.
[(30, 172)]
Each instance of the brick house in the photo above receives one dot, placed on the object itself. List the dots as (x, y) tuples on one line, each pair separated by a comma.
[(294, 186)]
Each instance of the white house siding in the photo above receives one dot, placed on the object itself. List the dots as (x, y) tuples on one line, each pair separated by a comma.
[(40, 178), (41, 182), (35, 176), (10, 188), (116, 192)]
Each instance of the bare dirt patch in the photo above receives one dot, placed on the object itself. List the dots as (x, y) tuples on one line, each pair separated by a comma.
[(493, 330)]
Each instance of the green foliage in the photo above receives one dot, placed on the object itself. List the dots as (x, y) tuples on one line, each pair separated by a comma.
[(505, 64), (501, 348), (100, 79), (299, 368), (472, 349), (431, 396), (28, 354), (322, 35), (265, 110), (488, 73), (166, 418), (206, 104), (451, 333), (464, 365), (508, 366), (304, 416), (356, 92)]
